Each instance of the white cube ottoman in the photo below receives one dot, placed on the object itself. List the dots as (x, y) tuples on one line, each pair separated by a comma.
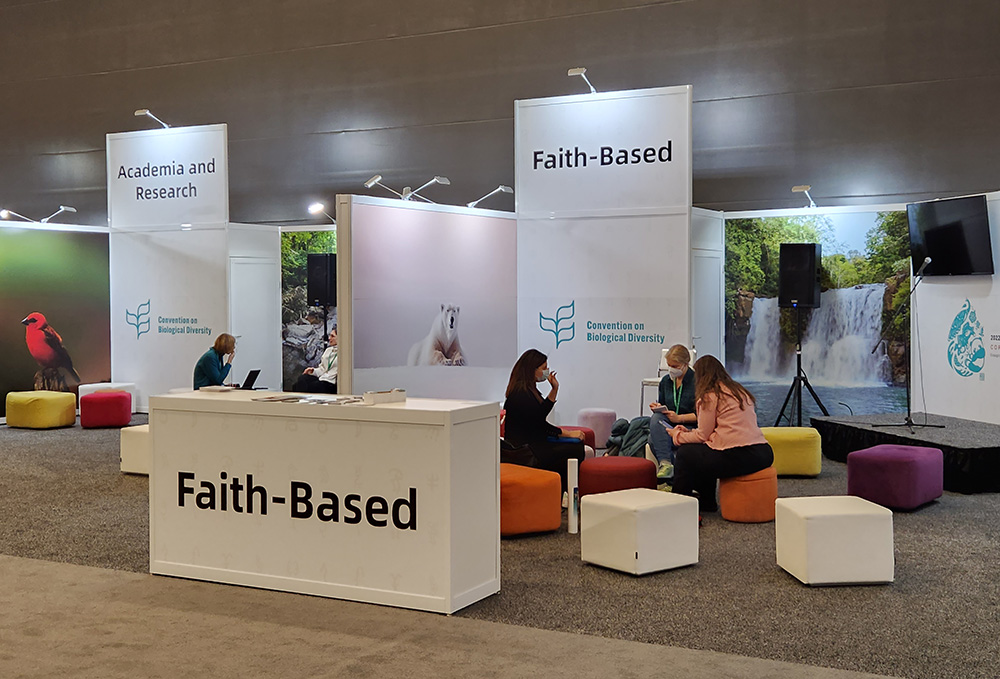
[(833, 540), (119, 386), (639, 530), (136, 450)]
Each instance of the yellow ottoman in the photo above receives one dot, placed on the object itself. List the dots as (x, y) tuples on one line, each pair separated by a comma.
[(41, 409), (797, 450)]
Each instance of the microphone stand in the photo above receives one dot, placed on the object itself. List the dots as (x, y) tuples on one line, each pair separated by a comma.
[(908, 422)]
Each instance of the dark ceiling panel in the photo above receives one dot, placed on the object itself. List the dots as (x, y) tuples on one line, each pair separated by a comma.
[(865, 99)]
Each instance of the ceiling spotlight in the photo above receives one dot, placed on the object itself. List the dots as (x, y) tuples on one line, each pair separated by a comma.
[(7, 214), (804, 188), (62, 208), (437, 179), (185, 227), (582, 72), (320, 208), (139, 112), (499, 189), (377, 181)]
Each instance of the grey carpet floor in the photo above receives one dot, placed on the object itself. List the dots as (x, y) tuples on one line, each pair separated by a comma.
[(63, 499)]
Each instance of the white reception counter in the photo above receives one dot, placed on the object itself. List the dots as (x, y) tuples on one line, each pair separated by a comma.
[(395, 504)]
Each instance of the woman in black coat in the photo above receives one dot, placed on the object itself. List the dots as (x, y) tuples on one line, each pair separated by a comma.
[(527, 411)]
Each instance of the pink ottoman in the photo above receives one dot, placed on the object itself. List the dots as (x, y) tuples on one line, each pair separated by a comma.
[(106, 409), (896, 476), (600, 420), (605, 474)]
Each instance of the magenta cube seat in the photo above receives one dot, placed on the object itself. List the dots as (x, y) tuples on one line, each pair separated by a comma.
[(605, 474), (106, 409), (896, 476)]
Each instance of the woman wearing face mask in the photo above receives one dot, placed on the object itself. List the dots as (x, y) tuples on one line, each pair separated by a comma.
[(675, 405), (527, 411)]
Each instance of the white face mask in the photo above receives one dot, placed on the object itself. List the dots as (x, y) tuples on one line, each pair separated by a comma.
[(674, 372), (545, 376)]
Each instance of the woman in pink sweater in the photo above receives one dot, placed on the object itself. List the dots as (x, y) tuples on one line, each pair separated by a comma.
[(726, 443)]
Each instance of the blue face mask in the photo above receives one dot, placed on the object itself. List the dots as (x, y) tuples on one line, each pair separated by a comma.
[(545, 375)]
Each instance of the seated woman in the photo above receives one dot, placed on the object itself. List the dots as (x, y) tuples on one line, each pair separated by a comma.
[(323, 378), (526, 412), (211, 370), (674, 406), (726, 443)]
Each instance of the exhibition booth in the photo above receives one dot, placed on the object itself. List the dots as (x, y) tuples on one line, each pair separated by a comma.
[(603, 265)]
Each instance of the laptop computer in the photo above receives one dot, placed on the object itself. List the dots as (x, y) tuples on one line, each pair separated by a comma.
[(250, 380)]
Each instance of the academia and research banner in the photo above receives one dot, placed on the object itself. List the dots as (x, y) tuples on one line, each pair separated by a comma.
[(168, 177)]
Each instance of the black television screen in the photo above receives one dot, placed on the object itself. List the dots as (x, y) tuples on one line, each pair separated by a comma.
[(954, 233)]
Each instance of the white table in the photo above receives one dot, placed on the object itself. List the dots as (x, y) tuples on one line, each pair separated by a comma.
[(395, 504)]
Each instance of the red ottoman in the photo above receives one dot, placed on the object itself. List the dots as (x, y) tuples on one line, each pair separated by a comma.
[(588, 435), (106, 409), (605, 474), (896, 476)]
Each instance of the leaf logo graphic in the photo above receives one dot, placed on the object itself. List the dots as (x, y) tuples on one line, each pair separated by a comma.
[(557, 325), (139, 320)]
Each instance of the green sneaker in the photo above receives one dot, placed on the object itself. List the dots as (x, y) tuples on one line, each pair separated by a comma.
[(665, 471)]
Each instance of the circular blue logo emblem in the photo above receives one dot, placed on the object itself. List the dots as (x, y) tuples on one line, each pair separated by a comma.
[(966, 347)]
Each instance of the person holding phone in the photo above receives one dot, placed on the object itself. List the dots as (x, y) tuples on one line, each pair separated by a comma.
[(527, 410), (214, 365), (675, 405), (726, 443)]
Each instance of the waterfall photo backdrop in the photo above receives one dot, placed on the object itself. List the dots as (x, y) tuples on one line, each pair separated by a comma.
[(864, 278)]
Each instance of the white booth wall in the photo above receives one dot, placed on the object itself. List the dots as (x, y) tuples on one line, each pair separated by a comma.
[(955, 340), (181, 274), (603, 191)]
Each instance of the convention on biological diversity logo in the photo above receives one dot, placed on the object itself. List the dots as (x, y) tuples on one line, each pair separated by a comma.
[(557, 325), (604, 331), (966, 345), (139, 320)]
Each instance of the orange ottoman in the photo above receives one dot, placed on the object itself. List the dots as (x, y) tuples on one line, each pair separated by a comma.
[(530, 500), (106, 409), (608, 473), (750, 498)]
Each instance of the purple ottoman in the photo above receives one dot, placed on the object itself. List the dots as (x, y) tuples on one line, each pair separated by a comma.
[(895, 476)]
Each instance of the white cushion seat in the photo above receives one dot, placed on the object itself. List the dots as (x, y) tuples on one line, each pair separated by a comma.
[(639, 530), (834, 540), (136, 450)]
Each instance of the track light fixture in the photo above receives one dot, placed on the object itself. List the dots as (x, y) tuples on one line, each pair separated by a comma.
[(410, 193), (377, 181), (582, 72), (62, 208), (7, 214), (499, 189), (320, 208), (804, 188), (139, 112)]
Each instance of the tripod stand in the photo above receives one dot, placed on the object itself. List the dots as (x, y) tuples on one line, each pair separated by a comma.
[(908, 422), (795, 391)]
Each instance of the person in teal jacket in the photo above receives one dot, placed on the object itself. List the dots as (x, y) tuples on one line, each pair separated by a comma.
[(676, 405), (212, 368)]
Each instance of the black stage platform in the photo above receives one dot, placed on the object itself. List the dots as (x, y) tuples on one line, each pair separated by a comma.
[(971, 449)]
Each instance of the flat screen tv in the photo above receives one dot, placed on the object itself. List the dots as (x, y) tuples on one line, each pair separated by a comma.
[(954, 233)]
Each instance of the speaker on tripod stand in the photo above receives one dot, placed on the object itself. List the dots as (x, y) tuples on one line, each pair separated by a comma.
[(798, 288)]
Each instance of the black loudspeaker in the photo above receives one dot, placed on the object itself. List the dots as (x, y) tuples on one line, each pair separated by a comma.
[(798, 275), (321, 279)]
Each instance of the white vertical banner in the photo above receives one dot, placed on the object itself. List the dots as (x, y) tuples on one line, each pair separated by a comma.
[(955, 341), (168, 209), (604, 213)]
